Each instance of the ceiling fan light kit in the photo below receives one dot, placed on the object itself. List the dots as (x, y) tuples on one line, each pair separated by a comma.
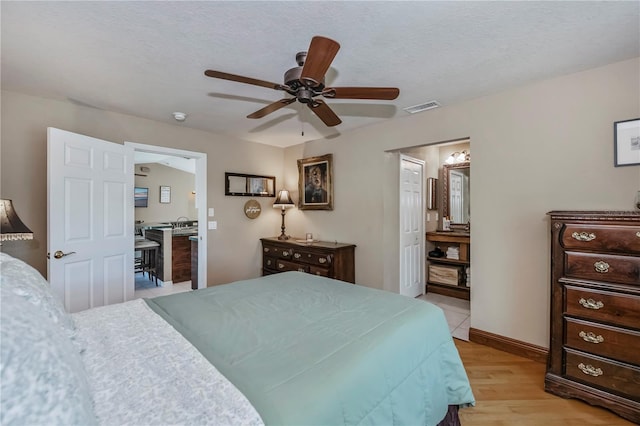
[(306, 82)]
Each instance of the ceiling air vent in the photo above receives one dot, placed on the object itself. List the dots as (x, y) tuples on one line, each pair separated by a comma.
[(422, 107)]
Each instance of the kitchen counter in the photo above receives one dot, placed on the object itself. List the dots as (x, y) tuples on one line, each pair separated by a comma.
[(191, 230)]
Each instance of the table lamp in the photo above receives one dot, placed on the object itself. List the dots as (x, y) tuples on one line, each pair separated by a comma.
[(284, 201), (12, 228)]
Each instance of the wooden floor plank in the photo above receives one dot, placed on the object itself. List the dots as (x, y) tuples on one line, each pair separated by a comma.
[(509, 390)]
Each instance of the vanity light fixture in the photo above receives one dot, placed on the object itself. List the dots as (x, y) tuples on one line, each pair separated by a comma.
[(284, 201), (459, 157)]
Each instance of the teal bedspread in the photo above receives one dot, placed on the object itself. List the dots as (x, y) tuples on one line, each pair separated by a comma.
[(307, 350)]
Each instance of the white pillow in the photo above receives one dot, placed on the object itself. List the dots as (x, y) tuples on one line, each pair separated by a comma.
[(42, 378), (26, 282)]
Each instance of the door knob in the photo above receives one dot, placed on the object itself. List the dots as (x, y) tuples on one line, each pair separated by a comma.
[(59, 254)]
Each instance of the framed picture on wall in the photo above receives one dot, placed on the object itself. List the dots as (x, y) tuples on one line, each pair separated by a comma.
[(165, 194), (626, 142), (315, 183)]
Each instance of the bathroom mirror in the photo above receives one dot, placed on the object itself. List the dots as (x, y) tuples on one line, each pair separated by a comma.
[(455, 192)]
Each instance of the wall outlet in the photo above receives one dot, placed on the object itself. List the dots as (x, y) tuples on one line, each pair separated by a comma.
[(213, 224), (428, 217)]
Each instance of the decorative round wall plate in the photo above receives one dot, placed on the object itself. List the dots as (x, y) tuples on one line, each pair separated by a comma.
[(252, 209)]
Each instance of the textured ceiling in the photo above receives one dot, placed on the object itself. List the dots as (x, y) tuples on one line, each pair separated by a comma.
[(147, 58)]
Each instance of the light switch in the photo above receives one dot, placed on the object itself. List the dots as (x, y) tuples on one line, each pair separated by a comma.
[(210, 211), (213, 224), (428, 217)]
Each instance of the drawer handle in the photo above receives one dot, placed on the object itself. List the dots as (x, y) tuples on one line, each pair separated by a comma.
[(301, 270), (638, 234), (322, 260), (591, 337), (584, 236), (280, 266), (591, 304), (285, 253), (266, 249), (297, 255), (268, 262), (601, 267), (590, 370)]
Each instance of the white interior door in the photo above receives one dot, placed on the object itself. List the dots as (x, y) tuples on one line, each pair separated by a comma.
[(412, 237), (90, 220)]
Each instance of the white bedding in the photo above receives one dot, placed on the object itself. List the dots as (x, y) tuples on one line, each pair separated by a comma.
[(141, 371)]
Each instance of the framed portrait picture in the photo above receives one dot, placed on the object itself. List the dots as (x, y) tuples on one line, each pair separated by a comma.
[(315, 183), (626, 142)]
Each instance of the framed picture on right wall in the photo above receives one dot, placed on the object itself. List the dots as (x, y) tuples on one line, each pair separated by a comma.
[(626, 142)]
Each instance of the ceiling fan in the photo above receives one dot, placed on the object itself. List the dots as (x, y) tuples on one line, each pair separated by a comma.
[(306, 83)]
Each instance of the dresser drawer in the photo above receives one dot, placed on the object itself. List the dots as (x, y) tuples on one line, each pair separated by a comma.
[(284, 265), (312, 258), (599, 267), (594, 237), (318, 270), (603, 306), (616, 377), (269, 262), (611, 342), (277, 252)]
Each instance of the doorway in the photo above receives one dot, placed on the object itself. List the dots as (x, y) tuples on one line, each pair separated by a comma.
[(164, 194), (436, 156)]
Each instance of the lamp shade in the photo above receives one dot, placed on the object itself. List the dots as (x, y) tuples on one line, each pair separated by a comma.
[(283, 199), (11, 227)]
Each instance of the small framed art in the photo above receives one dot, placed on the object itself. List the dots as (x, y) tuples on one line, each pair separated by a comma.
[(165, 194), (626, 142)]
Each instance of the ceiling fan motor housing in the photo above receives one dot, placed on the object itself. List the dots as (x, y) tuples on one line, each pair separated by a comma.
[(292, 76), (305, 95)]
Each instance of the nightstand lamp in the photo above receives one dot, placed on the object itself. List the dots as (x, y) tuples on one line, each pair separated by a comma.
[(284, 201), (11, 227)]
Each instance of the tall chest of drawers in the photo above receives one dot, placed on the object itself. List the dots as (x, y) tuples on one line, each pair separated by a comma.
[(594, 351), (333, 260)]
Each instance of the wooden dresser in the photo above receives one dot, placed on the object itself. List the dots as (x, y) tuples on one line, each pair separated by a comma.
[(594, 353), (333, 260)]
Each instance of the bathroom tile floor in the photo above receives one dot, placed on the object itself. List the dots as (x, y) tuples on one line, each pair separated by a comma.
[(456, 311)]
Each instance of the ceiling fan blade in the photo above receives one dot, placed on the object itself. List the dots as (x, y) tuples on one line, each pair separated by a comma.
[(325, 113), (321, 52), (384, 93), (271, 108), (242, 79)]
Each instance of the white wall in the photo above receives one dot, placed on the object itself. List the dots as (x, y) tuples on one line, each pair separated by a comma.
[(537, 148), (182, 184), (233, 249)]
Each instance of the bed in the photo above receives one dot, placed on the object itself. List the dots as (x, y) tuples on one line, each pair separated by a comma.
[(285, 349)]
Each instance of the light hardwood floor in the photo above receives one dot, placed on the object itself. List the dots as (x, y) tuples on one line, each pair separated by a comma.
[(509, 391)]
